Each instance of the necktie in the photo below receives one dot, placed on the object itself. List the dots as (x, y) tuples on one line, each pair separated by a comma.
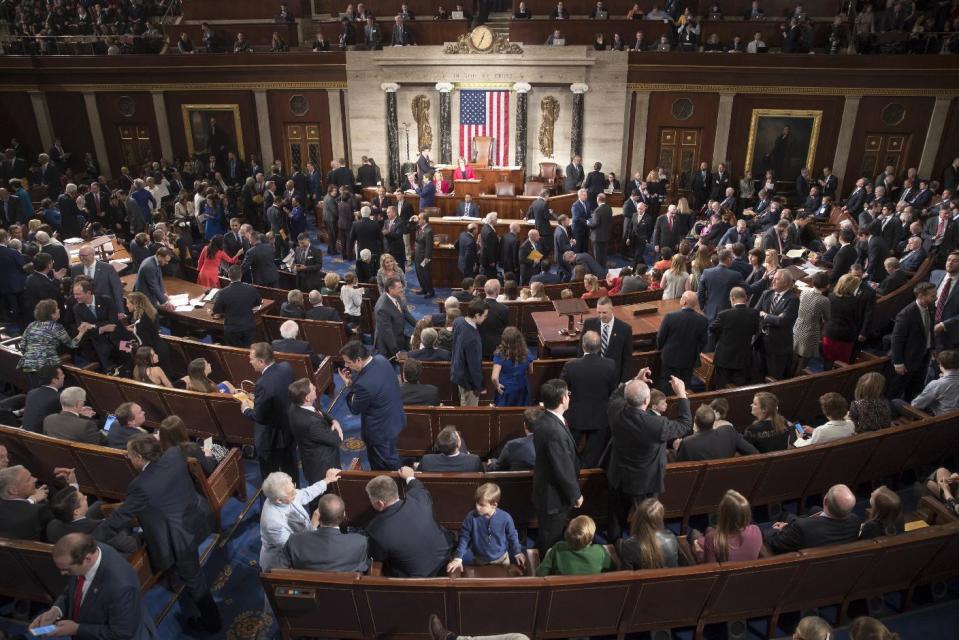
[(89, 271), (943, 297), (605, 343), (924, 314), (942, 228), (77, 596), (93, 309), (670, 220)]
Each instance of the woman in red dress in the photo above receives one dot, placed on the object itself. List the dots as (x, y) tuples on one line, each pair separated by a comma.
[(209, 263), (463, 171)]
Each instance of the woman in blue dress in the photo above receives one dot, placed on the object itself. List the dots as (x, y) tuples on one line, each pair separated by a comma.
[(511, 365), (297, 220), (212, 209)]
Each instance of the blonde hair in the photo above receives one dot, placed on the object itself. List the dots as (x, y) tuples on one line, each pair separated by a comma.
[(870, 387), (645, 521), (331, 280), (678, 265), (770, 406), (847, 285), (734, 515), (580, 532), (487, 493), (592, 283), (140, 305)]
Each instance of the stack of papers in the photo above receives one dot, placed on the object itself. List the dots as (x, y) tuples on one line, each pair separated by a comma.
[(184, 308), (210, 295), (180, 299)]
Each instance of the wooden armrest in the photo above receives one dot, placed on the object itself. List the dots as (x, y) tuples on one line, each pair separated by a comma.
[(934, 512), (532, 561), (108, 508), (376, 568), (771, 379), (910, 412)]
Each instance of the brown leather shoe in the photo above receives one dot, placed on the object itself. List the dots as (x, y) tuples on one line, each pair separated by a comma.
[(438, 631)]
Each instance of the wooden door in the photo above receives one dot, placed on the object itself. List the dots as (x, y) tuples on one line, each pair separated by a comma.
[(679, 155), (301, 144), (136, 148), (883, 150)]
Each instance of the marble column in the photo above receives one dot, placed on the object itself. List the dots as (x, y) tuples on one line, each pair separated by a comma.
[(937, 125), (96, 132), (163, 125), (579, 108), (847, 125), (640, 122), (336, 125), (392, 133), (41, 112), (263, 126), (522, 90), (446, 121), (724, 117)]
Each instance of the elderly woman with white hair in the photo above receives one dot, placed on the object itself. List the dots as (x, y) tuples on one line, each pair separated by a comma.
[(284, 513)]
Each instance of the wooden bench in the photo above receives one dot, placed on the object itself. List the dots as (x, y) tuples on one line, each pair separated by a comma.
[(106, 472), (367, 322), (326, 337), (348, 605), (889, 305)]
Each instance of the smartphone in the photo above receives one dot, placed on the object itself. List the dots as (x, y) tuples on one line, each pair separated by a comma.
[(109, 422), (799, 430), (43, 631), (208, 444)]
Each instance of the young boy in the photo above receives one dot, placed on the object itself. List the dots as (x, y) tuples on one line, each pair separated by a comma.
[(488, 532), (657, 402)]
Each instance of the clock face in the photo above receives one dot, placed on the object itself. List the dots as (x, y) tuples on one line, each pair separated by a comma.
[(481, 38)]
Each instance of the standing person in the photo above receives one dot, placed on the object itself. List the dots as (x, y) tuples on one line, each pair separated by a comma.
[(259, 262), (491, 331), (375, 395), (317, 434), (269, 410), (391, 317), (591, 379), (236, 304), (211, 257), (581, 211), (733, 333), (423, 255), (637, 464), (778, 310), (106, 281), (556, 474), (330, 216), (541, 215), (811, 320), (509, 249), (149, 280), (512, 362), (616, 336), (393, 239), (489, 246), (912, 342), (307, 263), (529, 262), (466, 371), (467, 251), (600, 224), (680, 340)]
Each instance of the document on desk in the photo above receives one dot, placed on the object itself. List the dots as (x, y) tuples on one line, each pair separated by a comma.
[(795, 253), (183, 308), (210, 294), (180, 299)]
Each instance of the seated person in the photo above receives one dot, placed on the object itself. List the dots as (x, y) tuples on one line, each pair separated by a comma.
[(555, 38), (293, 307), (44, 400), (658, 404), (197, 378), (942, 483), (518, 454), (73, 514), (545, 276), (24, 513), (870, 410), (327, 548), (103, 342), (835, 524), (488, 533), (466, 293), (318, 312), (172, 433), (835, 408), (428, 351), (74, 421), (129, 423), (942, 394), (412, 391), (522, 13), (289, 343), (146, 368), (575, 554), (450, 458), (735, 537), (650, 544), (331, 284), (404, 534), (883, 516), (710, 443), (769, 432)]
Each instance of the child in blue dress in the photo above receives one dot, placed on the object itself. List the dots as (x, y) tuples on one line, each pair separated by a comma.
[(511, 366)]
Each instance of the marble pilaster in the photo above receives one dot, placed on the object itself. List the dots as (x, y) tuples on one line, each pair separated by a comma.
[(163, 124), (640, 119), (579, 90), (937, 126), (847, 125), (263, 126), (392, 132), (41, 112), (446, 123), (96, 132), (522, 90)]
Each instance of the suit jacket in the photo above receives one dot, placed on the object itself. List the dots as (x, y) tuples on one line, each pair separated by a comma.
[(367, 235), (664, 236), (327, 549), (714, 444), (601, 223), (442, 463), (714, 287), (778, 324), (595, 183), (528, 268), (472, 212), (591, 265), (556, 474), (574, 177), (112, 606), (39, 287), (393, 238), (509, 253), (106, 282), (70, 426), (12, 277), (491, 331), (489, 247), (539, 213), (467, 356), (60, 258), (22, 520), (40, 403), (637, 464), (591, 380), (735, 330), (949, 238), (69, 216), (546, 277), (892, 282), (467, 254), (420, 394), (912, 260), (845, 258), (518, 454), (681, 338), (311, 276), (375, 396), (106, 314), (236, 302), (407, 538), (620, 346), (318, 444), (389, 338), (814, 531), (878, 251), (719, 182), (271, 407), (950, 313), (855, 201), (10, 210), (424, 243), (259, 263), (98, 528)]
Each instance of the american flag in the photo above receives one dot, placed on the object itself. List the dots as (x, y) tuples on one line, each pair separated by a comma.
[(485, 113)]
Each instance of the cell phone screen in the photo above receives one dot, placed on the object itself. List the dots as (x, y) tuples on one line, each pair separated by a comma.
[(43, 631), (799, 430), (109, 422)]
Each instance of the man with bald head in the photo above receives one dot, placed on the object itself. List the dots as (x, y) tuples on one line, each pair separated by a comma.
[(681, 338), (835, 524), (637, 463)]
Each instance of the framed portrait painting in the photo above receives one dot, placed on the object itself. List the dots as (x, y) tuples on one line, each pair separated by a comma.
[(213, 129), (783, 140)]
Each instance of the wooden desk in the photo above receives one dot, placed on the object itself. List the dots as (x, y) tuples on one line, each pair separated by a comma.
[(645, 327), (486, 179), (508, 208), (107, 249)]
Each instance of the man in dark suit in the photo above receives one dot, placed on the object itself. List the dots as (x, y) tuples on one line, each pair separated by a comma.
[(10, 208), (778, 310), (236, 304), (600, 225), (877, 253), (581, 212), (317, 434), (393, 230), (529, 263), (175, 520), (913, 255), (857, 199), (269, 410), (319, 312), (42, 400), (391, 318), (97, 202), (813, 200), (74, 422), (509, 250), (423, 255), (778, 237), (940, 236), (73, 514), (328, 548), (556, 474), (519, 454), (24, 513), (308, 263), (70, 226), (895, 277), (467, 254), (545, 275), (828, 183), (428, 351), (539, 212), (13, 270), (587, 261), (489, 246), (700, 183), (49, 177), (41, 284), (497, 319), (100, 312), (946, 318), (680, 340), (637, 464), (574, 174), (449, 456), (366, 233), (289, 343), (102, 597), (259, 262), (715, 285), (734, 331), (412, 391), (595, 183), (845, 257), (591, 379), (835, 524), (669, 230), (106, 281), (467, 208), (718, 183), (707, 443), (616, 337), (149, 280), (404, 534), (562, 243), (374, 395)]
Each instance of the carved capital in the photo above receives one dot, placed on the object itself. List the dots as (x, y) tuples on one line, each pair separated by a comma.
[(522, 87), (579, 88), (444, 87), (390, 87)]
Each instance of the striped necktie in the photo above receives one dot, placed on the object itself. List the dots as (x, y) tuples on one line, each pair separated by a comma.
[(605, 343)]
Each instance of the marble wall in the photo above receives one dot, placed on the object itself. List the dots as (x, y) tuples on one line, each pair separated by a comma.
[(418, 69)]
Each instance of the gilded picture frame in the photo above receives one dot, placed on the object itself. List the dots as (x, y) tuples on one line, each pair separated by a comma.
[(228, 134), (769, 146)]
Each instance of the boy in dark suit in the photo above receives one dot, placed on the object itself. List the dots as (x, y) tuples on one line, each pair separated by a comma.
[(412, 391), (519, 454), (449, 457)]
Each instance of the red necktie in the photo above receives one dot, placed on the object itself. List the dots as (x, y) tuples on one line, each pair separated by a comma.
[(670, 220), (941, 302), (77, 597)]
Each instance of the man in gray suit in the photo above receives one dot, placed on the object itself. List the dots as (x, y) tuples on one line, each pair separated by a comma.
[(150, 278), (574, 174), (600, 224), (106, 281), (391, 315), (74, 421), (327, 548)]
